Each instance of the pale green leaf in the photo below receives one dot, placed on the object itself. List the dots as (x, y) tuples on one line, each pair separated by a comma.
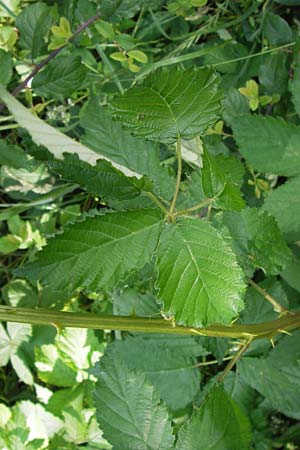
[(60, 78), (268, 144), (199, 280), (256, 239), (169, 104), (129, 410), (284, 204), (192, 151), (138, 56), (98, 251), (67, 361), (219, 424), (10, 343), (55, 141)]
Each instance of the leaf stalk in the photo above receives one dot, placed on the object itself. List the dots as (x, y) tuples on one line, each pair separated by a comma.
[(178, 178)]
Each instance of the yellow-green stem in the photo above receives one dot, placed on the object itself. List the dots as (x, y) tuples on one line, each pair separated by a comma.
[(206, 202), (178, 178), (157, 202), (61, 319)]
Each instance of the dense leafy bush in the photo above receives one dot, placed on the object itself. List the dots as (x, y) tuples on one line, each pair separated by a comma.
[(150, 216)]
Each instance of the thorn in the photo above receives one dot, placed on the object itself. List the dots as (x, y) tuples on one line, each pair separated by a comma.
[(285, 332), (58, 329), (272, 342), (198, 332)]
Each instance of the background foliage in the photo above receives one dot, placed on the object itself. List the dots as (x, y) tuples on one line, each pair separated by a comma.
[(90, 156)]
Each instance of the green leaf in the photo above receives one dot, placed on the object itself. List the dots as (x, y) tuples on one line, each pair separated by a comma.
[(60, 78), (277, 376), (284, 204), (169, 104), (98, 251), (276, 30), (34, 23), (14, 156), (291, 272), (273, 74), (56, 142), (235, 105), (219, 172), (268, 144), (165, 364), (199, 280), (219, 424), (128, 407), (230, 52), (213, 179), (257, 309), (107, 137), (294, 86), (6, 67), (102, 179), (256, 240)]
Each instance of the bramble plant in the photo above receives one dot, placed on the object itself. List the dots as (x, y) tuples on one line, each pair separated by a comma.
[(150, 216)]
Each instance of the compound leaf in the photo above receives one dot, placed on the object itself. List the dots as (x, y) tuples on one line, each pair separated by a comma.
[(128, 407), (199, 280), (219, 424), (170, 103), (98, 251), (268, 144)]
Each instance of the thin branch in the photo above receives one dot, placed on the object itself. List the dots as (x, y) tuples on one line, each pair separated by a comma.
[(206, 202), (178, 178), (52, 55), (214, 361), (157, 202), (243, 347), (277, 306)]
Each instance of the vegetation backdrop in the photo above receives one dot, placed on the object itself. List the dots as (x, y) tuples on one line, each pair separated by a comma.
[(150, 224)]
